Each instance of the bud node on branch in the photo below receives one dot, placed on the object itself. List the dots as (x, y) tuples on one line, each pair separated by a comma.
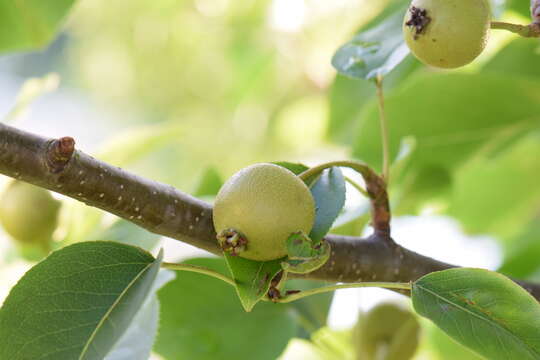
[(59, 152)]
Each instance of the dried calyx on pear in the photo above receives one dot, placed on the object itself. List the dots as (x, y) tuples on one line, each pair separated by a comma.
[(447, 33), (258, 208)]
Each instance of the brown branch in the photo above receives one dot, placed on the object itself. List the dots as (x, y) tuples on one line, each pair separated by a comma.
[(156, 207), (164, 210), (380, 205)]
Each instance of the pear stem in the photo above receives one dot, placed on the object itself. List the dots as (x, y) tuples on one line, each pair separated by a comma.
[(198, 269)]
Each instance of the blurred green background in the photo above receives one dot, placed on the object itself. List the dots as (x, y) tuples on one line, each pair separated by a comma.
[(188, 92)]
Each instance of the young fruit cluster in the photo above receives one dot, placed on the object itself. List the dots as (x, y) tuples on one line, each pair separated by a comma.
[(258, 208), (28, 214), (447, 33)]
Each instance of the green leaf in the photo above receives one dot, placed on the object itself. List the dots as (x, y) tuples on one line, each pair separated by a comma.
[(352, 222), (252, 278), (301, 247), (209, 184), (201, 319), (374, 52), (329, 194), (445, 347), (424, 184), (30, 24), (432, 183), (76, 303), (304, 255), (407, 147), (519, 57), (521, 260), (311, 312), (482, 310), (474, 110), (521, 7), (513, 176), (294, 167), (348, 96), (138, 340)]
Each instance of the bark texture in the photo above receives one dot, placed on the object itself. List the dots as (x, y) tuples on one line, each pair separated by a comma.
[(54, 164)]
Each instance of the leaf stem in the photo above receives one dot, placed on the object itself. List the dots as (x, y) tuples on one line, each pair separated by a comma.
[(357, 186), (531, 30), (198, 269), (361, 168), (305, 293), (376, 189), (384, 130)]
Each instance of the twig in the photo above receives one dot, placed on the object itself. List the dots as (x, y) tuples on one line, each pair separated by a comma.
[(376, 189), (384, 130), (199, 270), (320, 290), (357, 186), (528, 31)]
